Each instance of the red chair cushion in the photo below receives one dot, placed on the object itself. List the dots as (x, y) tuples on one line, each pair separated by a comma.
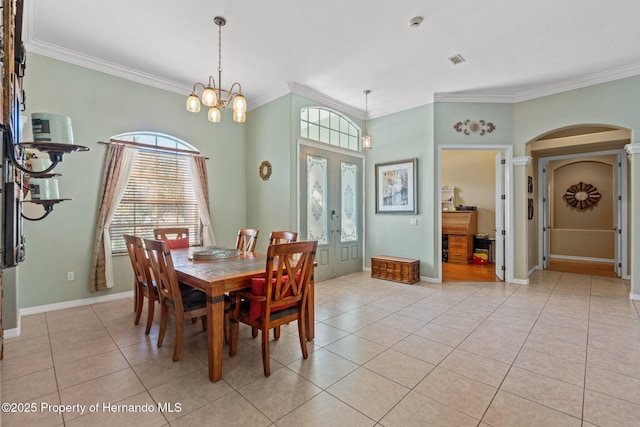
[(182, 243), (257, 288)]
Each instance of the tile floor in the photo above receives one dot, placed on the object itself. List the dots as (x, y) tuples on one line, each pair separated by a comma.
[(564, 350)]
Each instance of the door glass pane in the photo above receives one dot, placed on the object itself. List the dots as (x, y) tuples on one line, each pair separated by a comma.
[(349, 202), (317, 199)]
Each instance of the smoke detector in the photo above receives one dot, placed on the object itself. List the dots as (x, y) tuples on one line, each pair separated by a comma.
[(415, 21)]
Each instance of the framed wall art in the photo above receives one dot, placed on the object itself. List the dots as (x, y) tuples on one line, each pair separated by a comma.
[(396, 187)]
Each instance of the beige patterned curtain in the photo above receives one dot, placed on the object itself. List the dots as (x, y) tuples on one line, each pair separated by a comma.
[(201, 187), (117, 170)]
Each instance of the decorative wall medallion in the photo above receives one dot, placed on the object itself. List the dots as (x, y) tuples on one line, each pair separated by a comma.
[(265, 170), (582, 195), (468, 127)]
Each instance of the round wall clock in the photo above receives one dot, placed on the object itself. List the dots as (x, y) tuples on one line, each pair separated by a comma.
[(582, 195), (265, 170)]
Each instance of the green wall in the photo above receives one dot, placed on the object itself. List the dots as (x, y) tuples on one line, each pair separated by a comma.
[(101, 106), (269, 203), (401, 136)]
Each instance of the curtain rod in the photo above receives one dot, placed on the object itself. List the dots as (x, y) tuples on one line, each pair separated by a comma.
[(155, 147)]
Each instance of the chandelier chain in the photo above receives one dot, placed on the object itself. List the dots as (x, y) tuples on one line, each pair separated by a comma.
[(219, 49)]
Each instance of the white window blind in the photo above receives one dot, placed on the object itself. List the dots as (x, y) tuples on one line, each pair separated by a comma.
[(159, 194)]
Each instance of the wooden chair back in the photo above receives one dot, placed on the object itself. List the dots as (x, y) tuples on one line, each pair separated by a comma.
[(278, 237), (161, 266), (247, 239), (284, 262), (144, 285), (178, 237), (138, 258), (279, 298), (170, 233), (172, 298)]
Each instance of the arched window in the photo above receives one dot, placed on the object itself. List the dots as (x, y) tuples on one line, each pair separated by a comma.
[(160, 191), (328, 126)]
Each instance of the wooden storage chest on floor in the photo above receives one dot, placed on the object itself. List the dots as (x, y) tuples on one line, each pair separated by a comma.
[(403, 270)]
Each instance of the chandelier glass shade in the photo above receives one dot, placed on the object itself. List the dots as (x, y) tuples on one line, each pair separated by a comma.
[(215, 97)]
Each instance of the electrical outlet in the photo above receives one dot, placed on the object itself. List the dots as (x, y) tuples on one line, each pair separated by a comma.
[(413, 221), (71, 276)]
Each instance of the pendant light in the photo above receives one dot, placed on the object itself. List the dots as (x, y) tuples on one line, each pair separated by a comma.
[(366, 138), (217, 98)]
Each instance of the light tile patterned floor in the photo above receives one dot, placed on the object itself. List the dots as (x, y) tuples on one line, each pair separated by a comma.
[(564, 350)]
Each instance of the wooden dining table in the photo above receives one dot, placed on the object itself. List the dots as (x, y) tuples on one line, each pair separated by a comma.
[(220, 276)]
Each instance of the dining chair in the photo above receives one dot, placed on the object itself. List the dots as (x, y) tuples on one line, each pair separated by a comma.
[(144, 285), (277, 237), (247, 239), (176, 237), (278, 298), (181, 302)]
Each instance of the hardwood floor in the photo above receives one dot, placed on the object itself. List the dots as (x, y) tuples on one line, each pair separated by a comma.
[(453, 272), (582, 267)]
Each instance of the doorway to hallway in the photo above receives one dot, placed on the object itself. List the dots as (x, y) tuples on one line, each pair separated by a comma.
[(595, 236)]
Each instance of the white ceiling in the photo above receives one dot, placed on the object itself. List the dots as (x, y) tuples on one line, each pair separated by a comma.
[(514, 49)]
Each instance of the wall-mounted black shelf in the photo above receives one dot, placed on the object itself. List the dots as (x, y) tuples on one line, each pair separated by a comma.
[(47, 204), (56, 150)]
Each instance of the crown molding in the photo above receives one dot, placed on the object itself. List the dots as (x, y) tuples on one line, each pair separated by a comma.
[(86, 61), (325, 100), (544, 89), (65, 55), (477, 98), (579, 82)]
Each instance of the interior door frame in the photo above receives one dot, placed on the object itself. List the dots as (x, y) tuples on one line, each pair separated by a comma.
[(508, 204), (620, 208), (337, 150), (498, 249)]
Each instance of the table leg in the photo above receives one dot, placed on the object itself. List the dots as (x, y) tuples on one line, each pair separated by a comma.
[(215, 335), (310, 314)]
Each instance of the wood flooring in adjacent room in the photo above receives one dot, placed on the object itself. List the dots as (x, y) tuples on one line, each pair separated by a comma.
[(453, 272), (582, 267)]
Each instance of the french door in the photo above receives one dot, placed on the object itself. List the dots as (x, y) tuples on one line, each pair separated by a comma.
[(331, 209)]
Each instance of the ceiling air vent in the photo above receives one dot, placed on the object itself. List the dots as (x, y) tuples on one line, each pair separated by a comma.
[(457, 59)]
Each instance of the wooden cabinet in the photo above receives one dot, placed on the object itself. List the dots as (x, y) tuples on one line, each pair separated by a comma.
[(460, 227)]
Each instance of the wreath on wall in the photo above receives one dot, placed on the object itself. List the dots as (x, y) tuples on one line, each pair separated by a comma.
[(264, 170), (582, 196)]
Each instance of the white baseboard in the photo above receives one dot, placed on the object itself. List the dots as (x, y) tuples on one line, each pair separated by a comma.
[(634, 297), (519, 281), (581, 258), (533, 270), (12, 333), (366, 268)]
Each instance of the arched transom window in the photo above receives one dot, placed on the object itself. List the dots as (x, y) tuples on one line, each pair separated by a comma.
[(328, 126)]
